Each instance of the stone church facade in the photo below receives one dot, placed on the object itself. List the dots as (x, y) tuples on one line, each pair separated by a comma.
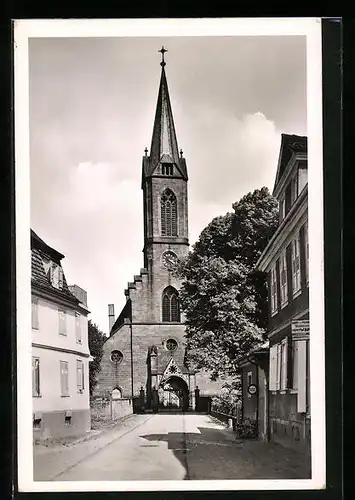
[(146, 350)]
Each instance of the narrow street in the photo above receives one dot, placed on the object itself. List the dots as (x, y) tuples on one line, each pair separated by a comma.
[(168, 447)]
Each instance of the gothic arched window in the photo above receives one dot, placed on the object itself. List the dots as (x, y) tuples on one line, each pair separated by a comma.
[(171, 308), (168, 206)]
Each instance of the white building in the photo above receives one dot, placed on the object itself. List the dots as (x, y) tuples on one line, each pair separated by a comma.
[(60, 350)]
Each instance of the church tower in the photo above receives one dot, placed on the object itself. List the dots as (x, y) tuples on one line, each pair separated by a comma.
[(144, 357), (164, 185)]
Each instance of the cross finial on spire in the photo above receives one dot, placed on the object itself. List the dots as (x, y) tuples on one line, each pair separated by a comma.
[(162, 50), (146, 151), (181, 153)]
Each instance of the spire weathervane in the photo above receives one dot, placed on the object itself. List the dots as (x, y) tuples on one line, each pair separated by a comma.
[(162, 50)]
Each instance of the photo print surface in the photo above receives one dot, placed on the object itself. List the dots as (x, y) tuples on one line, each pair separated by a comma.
[(171, 233)]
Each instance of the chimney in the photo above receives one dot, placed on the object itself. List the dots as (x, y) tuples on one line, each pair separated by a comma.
[(111, 316)]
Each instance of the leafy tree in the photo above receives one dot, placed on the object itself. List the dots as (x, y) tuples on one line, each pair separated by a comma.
[(223, 297), (96, 341), (229, 399)]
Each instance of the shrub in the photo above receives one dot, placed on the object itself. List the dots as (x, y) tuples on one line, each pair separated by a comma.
[(247, 429)]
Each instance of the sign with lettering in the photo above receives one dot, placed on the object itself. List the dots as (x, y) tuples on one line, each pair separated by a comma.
[(300, 329), (252, 389)]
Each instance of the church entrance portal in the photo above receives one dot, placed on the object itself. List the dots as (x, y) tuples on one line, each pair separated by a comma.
[(174, 394)]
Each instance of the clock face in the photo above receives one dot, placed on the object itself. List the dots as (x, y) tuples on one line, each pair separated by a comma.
[(170, 259)]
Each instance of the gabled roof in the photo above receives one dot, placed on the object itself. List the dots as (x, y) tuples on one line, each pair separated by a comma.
[(39, 244), (126, 313), (290, 144), (40, 251)]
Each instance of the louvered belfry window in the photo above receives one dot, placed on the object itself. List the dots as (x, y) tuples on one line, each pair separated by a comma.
[(168, 213), (171, 309)]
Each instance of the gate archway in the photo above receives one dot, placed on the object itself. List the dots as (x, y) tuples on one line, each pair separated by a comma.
[(174, 393)]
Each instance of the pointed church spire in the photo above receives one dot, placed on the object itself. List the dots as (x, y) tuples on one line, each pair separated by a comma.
[(164, 145)]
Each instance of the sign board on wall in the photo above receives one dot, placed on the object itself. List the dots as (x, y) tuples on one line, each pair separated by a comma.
[(300, 329), (252, 389)]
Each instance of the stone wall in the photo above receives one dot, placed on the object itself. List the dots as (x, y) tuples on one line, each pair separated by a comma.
[(110, 409), (288, 427)]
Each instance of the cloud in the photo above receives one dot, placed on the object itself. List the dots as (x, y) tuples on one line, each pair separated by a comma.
[(97, 219), (242, 157), (97, 224), (92, 112)]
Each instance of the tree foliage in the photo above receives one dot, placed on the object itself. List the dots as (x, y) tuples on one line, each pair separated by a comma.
[(223, 297), (96, 342)]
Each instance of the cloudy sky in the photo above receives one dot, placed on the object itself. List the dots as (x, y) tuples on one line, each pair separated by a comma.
[(92, 105)]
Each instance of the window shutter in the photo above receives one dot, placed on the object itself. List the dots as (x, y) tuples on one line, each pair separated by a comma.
[(301, 376), (273, 368), (278, 367), (64, 378), (77, 327), (273, 290), (283, 348), (35, 313), (295, 365), (306, 250), (62, 322), (35, 377), (60, 278), (79, 375)]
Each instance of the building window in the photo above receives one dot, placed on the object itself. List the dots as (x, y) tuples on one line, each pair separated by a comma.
[(283, 279), (78, 327), (56, 276), (282, 207), (62, 321), (302, 176), (167, 169), (296, 270), (171, 345), (64, 378), (273, 290), (168, 206), (37, 421), (294, 189), (306, 251), (170, 305), (35, 322), (35, 378), (116, 393), (116, 357), (80, 376)]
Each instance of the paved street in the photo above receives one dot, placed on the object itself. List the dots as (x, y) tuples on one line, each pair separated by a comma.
[(165, 447)]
